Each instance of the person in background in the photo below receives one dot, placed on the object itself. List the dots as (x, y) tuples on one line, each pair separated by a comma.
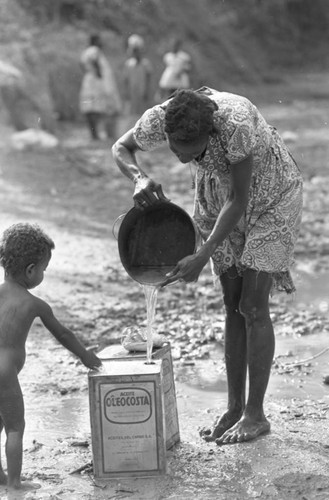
[(100, 101), (22, 108), (178, 65), (137, 75), (248, 206), (25, 252)]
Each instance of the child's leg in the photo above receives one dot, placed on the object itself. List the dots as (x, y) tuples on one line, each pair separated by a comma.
[(14, 453), (12, 411), (3, 477)]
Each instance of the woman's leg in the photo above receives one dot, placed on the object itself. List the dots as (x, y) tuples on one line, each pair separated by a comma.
[(235, 356), (260, 350)]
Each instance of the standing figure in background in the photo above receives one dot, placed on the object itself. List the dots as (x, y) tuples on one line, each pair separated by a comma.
[(136, 79), (23, 110), (99, 96), (176, 75)]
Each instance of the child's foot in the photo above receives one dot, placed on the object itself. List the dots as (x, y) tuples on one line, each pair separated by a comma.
[(24, 485)]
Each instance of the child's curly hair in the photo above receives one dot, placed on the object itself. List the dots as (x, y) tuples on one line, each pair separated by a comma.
[(189, 115), (23, 244)]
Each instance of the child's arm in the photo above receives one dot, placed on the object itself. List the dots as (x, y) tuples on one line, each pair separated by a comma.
[(65, 336)]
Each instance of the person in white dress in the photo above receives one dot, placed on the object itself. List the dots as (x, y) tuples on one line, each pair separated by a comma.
[(99, 96), (177, 71)]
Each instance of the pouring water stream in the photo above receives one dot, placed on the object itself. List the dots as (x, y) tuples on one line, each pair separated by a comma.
[(151, 294)]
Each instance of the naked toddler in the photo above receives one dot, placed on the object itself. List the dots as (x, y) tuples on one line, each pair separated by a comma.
[(25, 252)]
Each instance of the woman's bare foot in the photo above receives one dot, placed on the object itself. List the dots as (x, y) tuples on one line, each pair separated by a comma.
[(24, 485), (221, 425), (244, 430)]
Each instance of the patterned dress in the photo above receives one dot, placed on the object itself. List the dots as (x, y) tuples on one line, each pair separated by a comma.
[(264, 238)]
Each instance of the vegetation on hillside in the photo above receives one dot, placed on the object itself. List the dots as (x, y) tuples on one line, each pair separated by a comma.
[(290, 31), (233, 43)]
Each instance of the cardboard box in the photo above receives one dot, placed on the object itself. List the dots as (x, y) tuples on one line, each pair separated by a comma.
[(127, 419), (169, 392)]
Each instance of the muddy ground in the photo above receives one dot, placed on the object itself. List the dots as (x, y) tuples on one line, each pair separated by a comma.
[(76, 193)]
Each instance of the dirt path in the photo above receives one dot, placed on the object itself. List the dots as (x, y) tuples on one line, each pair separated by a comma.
[(76, 193)]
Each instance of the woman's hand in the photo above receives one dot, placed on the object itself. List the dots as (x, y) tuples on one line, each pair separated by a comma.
[(187, 269), (147, 192)]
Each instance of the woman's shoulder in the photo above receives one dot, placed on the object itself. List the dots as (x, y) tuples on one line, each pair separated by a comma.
[(155, 113), (233, 109), (149, 129), (224, 98)]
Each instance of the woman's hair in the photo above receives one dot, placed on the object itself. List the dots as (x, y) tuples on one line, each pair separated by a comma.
[(189, 115), (23, 244)]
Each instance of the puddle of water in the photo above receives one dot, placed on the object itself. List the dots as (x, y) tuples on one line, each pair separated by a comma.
[(204, 377), (48, 421), (308, 386), (313, 291)]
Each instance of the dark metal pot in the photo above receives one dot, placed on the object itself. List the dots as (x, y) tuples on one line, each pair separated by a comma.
[(151, 241)]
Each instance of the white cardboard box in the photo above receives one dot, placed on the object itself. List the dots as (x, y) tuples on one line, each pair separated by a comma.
[(116, 351), (127, 418)]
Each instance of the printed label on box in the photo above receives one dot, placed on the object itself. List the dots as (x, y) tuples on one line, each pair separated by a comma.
[(128, 423)]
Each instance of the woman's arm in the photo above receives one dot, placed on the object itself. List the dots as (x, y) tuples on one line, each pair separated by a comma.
[(65, 336), (124, 153), (147, 191), (189, 268)]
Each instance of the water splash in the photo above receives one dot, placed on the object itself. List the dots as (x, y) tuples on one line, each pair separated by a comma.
[(151, 294)]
